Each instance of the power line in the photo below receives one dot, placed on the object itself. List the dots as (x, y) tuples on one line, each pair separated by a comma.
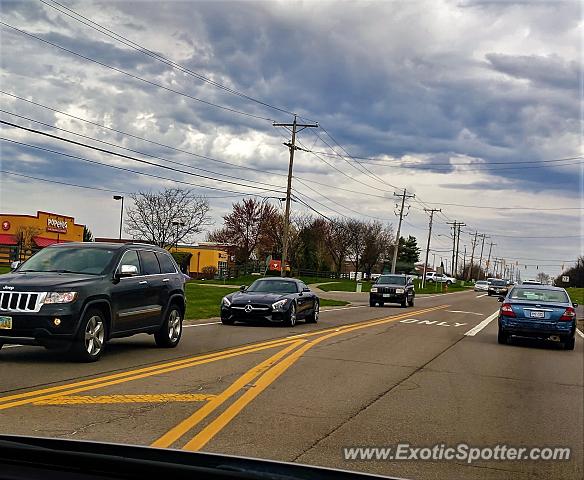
[(88, 187), (136, 77), (161, 58), (386, 162), (100, 125), (126, 169), (128, 157), (135, 151)]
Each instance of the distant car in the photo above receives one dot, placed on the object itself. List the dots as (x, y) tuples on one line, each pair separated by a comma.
[(432, 277), (530, 282), (497, 286), (273, 300), (540, 311), (392, 289), (481, 286)]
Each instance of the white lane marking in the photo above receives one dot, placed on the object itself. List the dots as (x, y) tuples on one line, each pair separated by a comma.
[(469, 313), (579, 332), (342, 308), (13, 346), (201, 324), (483, 295), (473, 331)]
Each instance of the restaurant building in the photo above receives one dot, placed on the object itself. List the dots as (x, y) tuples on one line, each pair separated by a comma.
[(23, 235)]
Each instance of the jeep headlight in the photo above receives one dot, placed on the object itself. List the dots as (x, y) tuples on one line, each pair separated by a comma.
[(373, 289), (399, 290), (225, 302), (60, 297), (280, 304)]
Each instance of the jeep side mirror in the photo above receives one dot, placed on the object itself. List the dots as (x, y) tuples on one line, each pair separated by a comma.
[(242, 288), (500, 299), (127, 271), (15, 265)]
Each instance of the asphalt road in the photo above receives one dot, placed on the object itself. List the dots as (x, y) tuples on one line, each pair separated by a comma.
[(432, 374)]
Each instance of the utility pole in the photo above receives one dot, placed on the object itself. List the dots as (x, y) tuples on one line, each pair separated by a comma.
[(474, 243), (491, 245), (292, 147), (483, 235), (455, 243), (401, 216), (431, 211), (464, 261)]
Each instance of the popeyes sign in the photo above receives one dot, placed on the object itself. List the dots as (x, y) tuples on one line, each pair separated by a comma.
[(56, 225)]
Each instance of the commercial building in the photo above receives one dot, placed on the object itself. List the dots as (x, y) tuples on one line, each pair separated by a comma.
[(22, 235), (207, 254)]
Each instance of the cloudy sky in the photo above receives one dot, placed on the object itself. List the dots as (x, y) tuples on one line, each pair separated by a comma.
[(473, 106)]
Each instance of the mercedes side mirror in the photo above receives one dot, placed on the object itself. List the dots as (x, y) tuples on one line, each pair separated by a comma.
[(127, 271), (242, 288), (15, 265), (575, 304), (501, 299)]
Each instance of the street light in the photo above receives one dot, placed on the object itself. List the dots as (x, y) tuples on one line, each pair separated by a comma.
[(177, 224), (120, 197)]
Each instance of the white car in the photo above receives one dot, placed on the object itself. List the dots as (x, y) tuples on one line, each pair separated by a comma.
[(432, 277), (481, 286)]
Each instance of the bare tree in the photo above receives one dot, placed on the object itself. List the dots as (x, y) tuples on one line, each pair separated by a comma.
[(167, 217), (357, 234), (377, 243), (244, 227), (543, 278), (338, 242)]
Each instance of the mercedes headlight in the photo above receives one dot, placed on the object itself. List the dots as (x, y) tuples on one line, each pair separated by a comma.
[(225, 302), (399, 290), (60, 297), (374, 289), (280, 304)]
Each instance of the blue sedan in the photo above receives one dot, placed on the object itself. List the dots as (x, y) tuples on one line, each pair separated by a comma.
[(539, 311)]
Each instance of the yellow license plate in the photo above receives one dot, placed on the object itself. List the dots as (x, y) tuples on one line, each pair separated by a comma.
[(5, 323)]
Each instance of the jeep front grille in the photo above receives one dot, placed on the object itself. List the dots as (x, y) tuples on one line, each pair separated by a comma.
[(21, 301)]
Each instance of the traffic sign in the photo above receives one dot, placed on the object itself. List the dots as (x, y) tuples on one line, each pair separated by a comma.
[(565, 279)]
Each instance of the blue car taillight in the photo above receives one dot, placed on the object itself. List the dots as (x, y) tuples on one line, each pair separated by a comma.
[(568, 315), (507, 310)]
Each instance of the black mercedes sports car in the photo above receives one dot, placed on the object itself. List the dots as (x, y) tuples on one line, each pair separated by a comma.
[(277, 300)]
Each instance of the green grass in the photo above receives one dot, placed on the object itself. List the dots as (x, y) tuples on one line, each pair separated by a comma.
[(439, 288), (204, 301), (325, 302), (4, 270), (343, 286), (576, 294)]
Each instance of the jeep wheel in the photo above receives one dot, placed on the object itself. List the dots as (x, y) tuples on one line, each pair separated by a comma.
[(411, 302), (169, 334), (371, 303), (90, 341)]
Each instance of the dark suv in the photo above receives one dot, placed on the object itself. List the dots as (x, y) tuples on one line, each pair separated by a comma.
[(392, 289), (79, 295)]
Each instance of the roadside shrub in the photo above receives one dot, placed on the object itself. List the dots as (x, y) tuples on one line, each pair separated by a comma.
[(209, 271)]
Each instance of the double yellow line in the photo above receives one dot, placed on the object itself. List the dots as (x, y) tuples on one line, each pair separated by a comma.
[(265, 373)]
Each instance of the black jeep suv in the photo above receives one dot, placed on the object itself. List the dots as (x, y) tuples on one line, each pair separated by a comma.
[(76, 296), (392, 289)]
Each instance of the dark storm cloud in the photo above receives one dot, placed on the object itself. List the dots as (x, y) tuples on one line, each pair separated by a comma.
[(551, 71)]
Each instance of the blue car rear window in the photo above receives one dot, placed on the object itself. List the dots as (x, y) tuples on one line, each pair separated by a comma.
[(540, 295)]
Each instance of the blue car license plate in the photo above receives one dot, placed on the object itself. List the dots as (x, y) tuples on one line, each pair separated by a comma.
[(537, 315), (5, 323)]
